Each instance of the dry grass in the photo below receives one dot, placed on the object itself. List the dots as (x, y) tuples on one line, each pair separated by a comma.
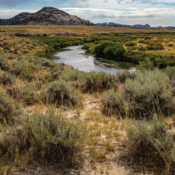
[(105, 136), (16, 45), (76, 29)]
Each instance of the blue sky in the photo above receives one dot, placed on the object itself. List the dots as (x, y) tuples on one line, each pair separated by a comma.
[(154, 12)]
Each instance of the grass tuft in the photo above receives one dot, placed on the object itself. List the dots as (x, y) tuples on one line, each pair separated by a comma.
[(151, 145)]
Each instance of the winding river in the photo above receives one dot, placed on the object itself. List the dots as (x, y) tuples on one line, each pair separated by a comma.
[(76, 57)]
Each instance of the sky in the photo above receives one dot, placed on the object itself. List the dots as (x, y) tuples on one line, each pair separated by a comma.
[(153, 12)]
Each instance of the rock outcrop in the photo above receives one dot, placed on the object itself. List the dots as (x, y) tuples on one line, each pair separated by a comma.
[(46, 16)]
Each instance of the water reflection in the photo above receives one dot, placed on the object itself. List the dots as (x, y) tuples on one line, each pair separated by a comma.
[(77, 58)]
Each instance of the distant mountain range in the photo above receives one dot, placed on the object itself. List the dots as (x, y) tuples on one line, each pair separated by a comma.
[(136, 25), (46, 16)]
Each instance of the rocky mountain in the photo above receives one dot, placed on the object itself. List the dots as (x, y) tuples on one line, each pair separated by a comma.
[(136, 25), (122, 25), (109, 24), (46, 16), (141, 25)]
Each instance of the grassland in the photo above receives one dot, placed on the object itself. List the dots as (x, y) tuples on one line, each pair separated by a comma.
[(87, 30), (53, 117)]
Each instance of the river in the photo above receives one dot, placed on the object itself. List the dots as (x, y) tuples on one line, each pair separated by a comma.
[(76, 57)]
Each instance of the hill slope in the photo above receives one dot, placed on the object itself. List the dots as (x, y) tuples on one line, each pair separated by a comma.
[(46, 16)]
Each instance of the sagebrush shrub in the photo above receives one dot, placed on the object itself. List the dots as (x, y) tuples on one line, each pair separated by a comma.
[(25, 93), (19, 66), (96, 82), (71, 75), (46, 138), (7, 79), (151, 145), (25, 70), (150, 92), (63, 93), (170, 71), (54, 139), (121, 77), (112, 104), (56, 72), (8, 108), (55, 75), (4, 64)]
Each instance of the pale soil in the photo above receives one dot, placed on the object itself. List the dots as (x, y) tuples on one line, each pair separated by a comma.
[(112, 165)]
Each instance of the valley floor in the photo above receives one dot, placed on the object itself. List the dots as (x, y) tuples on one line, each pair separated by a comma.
[(53, 117)]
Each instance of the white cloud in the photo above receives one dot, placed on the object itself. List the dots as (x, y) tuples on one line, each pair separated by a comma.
[(5, 14), (153, 12), (153, 16)]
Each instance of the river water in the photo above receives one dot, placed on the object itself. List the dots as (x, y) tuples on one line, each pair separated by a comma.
[(76, 57)]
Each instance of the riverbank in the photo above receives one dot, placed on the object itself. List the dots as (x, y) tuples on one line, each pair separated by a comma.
[(76, 57), (113, 64)]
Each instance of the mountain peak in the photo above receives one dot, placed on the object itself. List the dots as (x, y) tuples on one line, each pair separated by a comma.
[(45, 16), (48, 8)]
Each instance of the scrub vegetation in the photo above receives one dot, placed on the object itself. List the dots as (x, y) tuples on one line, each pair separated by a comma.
[(52, 115), (130, 50)]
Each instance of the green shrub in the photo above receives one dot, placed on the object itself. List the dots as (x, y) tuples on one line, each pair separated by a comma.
[(115, 52), (86, 46), (63, 93), (130, 43), (71, 75), (24, 93), (142, 48), (19, 67), (141, 41), (150, 144), (4, 64), (45, 138), (112, 104), (8, 108), (170, 71), (55, 75), (56, 72), (121, 77), (133, 56), (148, 38), (25, 70), (74, 76), (157, 46), (54, 139), (146, 64), (7, 79), (150, 92), (171, 45), (96, 82), (47, 63), (99, 49)]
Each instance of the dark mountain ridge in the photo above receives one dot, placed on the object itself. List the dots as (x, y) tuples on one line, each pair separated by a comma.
[(136, 25), (46, 16)]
